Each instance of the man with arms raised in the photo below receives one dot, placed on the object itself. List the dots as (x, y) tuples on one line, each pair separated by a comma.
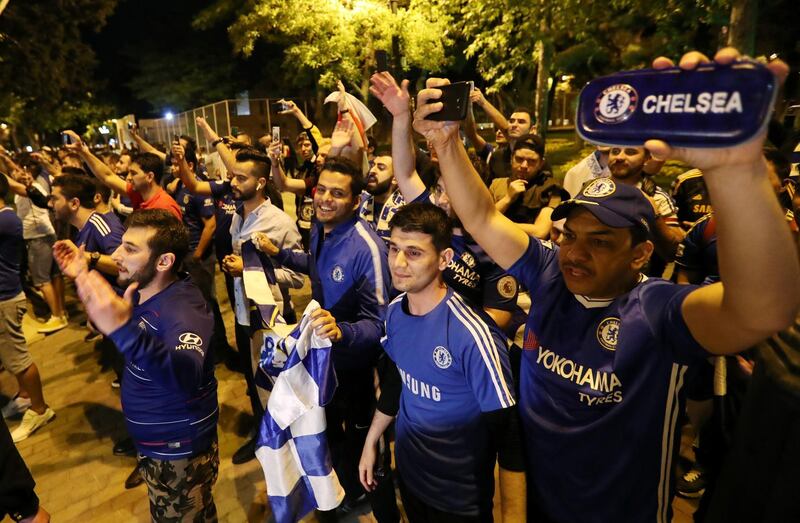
[(162, 326), (470, 272), (607, 351), (457, 406)]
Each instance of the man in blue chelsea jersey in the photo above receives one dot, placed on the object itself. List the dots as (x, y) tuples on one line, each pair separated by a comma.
[(170, 395), (456, 401), (606, 350)]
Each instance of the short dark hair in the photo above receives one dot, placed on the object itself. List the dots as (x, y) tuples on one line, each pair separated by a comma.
[(349, 168), (523, 109), (530, 141), (170, 234), (72, 156), (150, 163), (191, 143), (103, 190), (779, 161), (75, 186), (127, 153), (425, 218), (3, 188), (190, 156), (75, 171), (251, 154)]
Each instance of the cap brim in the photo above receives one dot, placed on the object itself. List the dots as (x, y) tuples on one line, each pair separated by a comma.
[(604, 214)]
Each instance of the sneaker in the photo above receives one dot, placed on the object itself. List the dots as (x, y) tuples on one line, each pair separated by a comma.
[(31, 421), (16, 406), (55, 323), (692, 484)]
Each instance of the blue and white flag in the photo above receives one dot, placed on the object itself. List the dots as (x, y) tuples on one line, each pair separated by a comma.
[(258, 274), (292, 446)]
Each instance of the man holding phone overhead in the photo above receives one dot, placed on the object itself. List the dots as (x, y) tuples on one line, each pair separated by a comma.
[(146, 170), (606, 350)]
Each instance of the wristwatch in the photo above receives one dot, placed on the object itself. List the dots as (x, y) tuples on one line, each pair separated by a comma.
[(218, 141), (93, 259)]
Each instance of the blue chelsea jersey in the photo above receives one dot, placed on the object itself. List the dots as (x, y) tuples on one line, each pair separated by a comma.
[(224, 209), (194, 208), (169, 392), (454, 366), (601, 393)]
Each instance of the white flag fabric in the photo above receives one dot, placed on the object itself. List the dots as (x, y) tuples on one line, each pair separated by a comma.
[(292, 446)]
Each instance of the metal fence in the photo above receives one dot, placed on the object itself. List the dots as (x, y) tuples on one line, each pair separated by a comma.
[(254, 116)]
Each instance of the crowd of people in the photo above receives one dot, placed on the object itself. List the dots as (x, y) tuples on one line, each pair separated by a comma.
[(481, 314)]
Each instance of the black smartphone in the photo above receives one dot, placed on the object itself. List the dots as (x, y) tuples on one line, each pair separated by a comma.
[(455, 98), (382, 59), (176, 138), (65, 139), (131, 125)]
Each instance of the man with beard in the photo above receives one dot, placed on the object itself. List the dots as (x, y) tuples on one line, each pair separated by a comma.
[(350, 280), (627, 166), (528, 191), (381, 199), (170, 395), (255, 214), (470, 272), (607, 349), (145, 173)]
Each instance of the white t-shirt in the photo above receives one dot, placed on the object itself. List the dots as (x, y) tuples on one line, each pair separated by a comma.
[(35, 220)]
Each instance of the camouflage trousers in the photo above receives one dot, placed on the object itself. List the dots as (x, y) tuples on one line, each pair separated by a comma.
[(180, 490)]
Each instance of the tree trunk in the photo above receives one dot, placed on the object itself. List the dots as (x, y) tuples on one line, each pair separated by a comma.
[(742, 31), (544, 61)]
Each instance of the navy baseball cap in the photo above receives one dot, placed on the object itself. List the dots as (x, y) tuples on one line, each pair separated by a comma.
[(614, 204)]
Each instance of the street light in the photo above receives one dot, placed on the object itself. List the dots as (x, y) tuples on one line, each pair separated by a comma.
[(168, 115)]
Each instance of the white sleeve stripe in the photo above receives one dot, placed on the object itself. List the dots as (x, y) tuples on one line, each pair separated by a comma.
[(481, 343), (100, 224), (376, 262), (488, 336)]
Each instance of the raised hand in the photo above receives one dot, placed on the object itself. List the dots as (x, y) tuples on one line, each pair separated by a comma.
[(208, 132), (394, 97), (107, 311), (437, 133), (70, 259), (275, 152), (709, 159), (342, 96), (343, 134), (76, 144), (291, 107), (178, 152), (476, 96)]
